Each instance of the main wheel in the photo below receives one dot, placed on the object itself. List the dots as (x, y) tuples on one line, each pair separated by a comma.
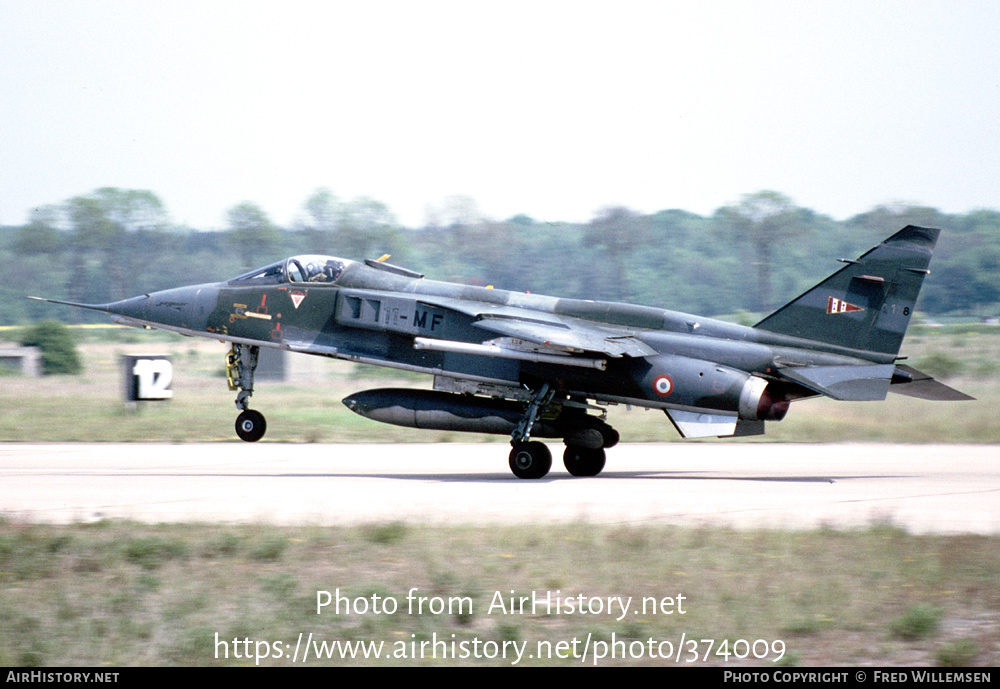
[(250, 426), (530, 460), (581, 461), (609, 435)]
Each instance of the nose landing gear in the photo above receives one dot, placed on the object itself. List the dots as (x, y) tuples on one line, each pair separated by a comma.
[(241, 362)]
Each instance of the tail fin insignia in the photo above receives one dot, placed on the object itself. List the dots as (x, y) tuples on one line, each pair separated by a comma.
[(834, 305)]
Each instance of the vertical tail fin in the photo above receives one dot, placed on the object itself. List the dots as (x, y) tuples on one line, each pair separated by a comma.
[(866, 305)]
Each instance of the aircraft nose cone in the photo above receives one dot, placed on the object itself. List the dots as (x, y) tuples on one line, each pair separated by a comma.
[(185, 307), (135, 308)]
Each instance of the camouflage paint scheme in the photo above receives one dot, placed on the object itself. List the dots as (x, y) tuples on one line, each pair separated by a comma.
[(529, 365)]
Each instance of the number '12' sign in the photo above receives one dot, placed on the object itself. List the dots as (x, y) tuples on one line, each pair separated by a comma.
[(148, 377)]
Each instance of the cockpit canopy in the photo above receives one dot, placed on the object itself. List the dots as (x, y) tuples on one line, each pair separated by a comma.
[(306, 268)]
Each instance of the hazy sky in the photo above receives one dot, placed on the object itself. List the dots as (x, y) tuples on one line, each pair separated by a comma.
[(554, 109)]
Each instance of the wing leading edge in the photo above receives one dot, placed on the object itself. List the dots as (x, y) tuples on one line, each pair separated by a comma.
[(545, 328), (571, 336)]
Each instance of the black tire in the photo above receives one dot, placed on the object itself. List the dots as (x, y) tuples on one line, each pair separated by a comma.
[(581, 461), (610, 435), (530, 460), (250, 426)]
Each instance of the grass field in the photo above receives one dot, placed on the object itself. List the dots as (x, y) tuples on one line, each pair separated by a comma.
[(114, 593)]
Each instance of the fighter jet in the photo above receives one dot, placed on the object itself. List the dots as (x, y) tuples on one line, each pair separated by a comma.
[(533, 366)]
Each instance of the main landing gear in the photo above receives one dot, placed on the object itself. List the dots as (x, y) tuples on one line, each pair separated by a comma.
[(241, 362), (584, 455), (582, 461)]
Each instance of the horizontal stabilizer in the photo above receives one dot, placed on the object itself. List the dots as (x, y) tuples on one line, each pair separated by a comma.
[(854, 383), (913, 383), (712, 425)]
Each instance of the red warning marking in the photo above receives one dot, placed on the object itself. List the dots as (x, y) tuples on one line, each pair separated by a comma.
[(297, 298), (663, 385), (834, 305)]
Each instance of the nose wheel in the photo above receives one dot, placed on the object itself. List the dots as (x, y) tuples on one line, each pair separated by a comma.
[(250, 425)]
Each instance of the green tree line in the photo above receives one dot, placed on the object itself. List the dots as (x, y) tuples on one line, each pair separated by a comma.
[(749, 257)]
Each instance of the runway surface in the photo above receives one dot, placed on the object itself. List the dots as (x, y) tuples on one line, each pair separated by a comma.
[(923, 488)]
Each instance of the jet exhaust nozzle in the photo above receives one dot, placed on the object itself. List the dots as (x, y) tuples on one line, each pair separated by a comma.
[(758, 400)]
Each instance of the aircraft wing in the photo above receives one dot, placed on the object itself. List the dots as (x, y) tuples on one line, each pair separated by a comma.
[(572, 337), (547, 329)]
